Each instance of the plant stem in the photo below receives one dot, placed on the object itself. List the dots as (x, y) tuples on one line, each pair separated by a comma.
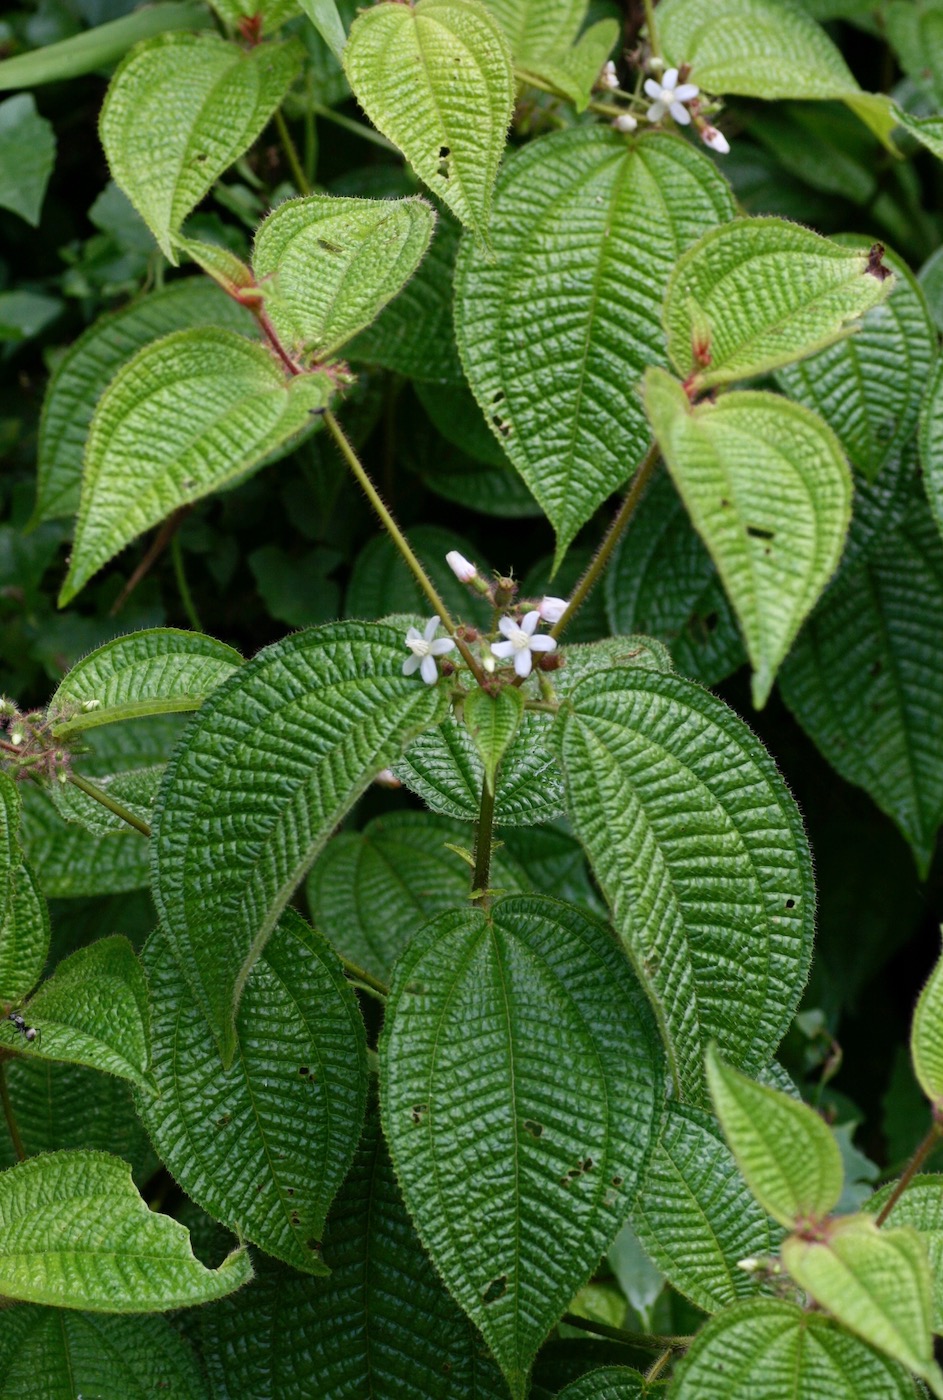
[(356, 128), (645, 1341), (911, 1169), (483, 837), (100, 795), (365, 980), (291, 154), (311, 134), (658, 1365), (183, 588), (10, 1116), (652, 28), (160, 542), (601, 558)]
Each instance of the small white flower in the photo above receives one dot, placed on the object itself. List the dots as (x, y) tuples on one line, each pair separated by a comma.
[(625, 122), (89, 705), (667, 96), (608, 78), (715, 139), (425, 650), (552, 609), (521, 641), (460, 566)]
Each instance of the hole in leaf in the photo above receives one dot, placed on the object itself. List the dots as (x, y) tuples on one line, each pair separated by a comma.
[(313, 1245), (790, 904), (725, 504), (876, 669), (756, 532), (711, 621), (444, 154), (502, 427), (496, 398), (535, 1129), (224, 1121), (289, 1190), (295, 1218), (588, 1164), (419, 1112), (303, 1070), (617, 1181), (495, 1290)]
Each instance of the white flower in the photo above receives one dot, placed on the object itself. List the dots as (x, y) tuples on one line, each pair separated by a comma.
[(625, 122), (667, 96), (521, 641), (715, 139), (552, 609), (460, 566), (608, 78), (424, 651)]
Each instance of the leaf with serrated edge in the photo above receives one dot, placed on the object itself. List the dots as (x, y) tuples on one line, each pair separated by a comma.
[(179, 110), (275, 758), (490, 1143), (74, 1233), (188, 414), (328, 266), (533, 31), (493, 721), (921, 1207), (575, 71), (758, 293), (926, 1036), (608, 1383), (931, 443), (437, 79), (24, 918), (700, 851), (586, 229), (768, 489)]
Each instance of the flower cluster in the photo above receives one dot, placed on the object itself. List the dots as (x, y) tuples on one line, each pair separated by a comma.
[(668, 97)]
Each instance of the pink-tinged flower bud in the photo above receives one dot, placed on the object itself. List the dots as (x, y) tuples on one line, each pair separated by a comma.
[(626, 122), (608, 78), (715, 139), (460, 566), (552, 609), (387, 778)]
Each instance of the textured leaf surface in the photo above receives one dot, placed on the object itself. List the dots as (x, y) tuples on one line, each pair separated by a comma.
[(75, 1233), (493, 721), (769, 491), (274, 13), (73, 862), (757, 293), (586, 230), (535, 30), (920, 1207), (27, 156), (24, 918), (179, 110), (436, 78), (263, 1146), (700, 852), (694, 1215), (517, 1171), (276, 757), (187, 414), (609, 1383), (931, 444), (926, 1036), (768, 1349), (574, 71)]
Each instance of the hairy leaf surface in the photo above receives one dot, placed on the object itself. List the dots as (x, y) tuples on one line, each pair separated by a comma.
[(921, 1207), (24, 918), (609, 1383), (926, 1036)]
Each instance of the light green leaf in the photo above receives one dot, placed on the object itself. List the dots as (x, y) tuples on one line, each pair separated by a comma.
[(74, 1233), (586, 230), (227, 271), (328, 266), (926, 1036), (792, 1353), (273, 13), (450, 117), (768, 489), (700, 852), (24, 919), (535, 30), (179, 110), (493, 722), (324, 15), (920, 1207), (787, 1155), (546, 1069), (27, 155), (161, 671), (609, 1383), (186, 415), (694, 1215), (876, 1282), (931, 443), (914, 29), (927, 130), (574, 71), (275, 758), (263, 1146), (755, 294)]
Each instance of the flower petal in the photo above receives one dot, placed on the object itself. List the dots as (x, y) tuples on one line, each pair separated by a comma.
[(429, 670), (440, 647), (686, 92), (413, 635), (529, 622), (432, 626), (411, 664), (522, 662), (503, 649), (543, 643), (507, 625), (652, 88), (669, 79), (656, 111), (681, 114)]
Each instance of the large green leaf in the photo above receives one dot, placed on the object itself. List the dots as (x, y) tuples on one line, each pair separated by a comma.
[(24, 918), (865, 678), (931, 443), (926, 1036), (700, 852), (186, 415), (273, 761), (27, 155), (263, 1146), (586, 230), (135, 789), (179, 110), (535, 30), (609, 1383), (493, 722), (450, 115), (75, 1233), (72, 861), (768, 489), (921, 1207), (520, 1082)]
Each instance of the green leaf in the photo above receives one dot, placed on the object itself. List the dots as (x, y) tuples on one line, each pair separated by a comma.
[(493, 721), (273, 13), (931, 443), (586, 228), (48, 1354), (926, 1036), (786, 1152), (450, 116), (533, 31), (786, 1351), (876, 1282), (700, 852), (92, 361), (186, 415), (545, 1068), (24, 918), (323, 14), (695, 1217), (920, 1207), (135, 788), (608, 1383), (865, 678), (574, 71), (75, 1233), (768, 489), (179, 110), (755, 294), (263, 1146), (27, 155), (927, 130), (161, 671), (914, 30), (74, 862), (381, 583), (275, 758)]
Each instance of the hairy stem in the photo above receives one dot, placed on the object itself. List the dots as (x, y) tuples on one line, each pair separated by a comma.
[(100, 795), (483, 837), (912, 1168), (10, 1116), (645, 1341), (291, 154), (365, 980), (652, 28), (356, 128), (183, 588), (658, 1365)]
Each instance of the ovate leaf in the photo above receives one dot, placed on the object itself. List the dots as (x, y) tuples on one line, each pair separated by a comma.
[(609, 1383), (273, 13), (700, 852), (276, 757), (437, 79), (75, 1233), (586, 230), (493, 721), (186, 415), (520, 1082), (27, 155), (179, 110), (931, 444), (769, 491), (574, 71), (24, 918), (926, 1036), (921, 1207), (533, 31)]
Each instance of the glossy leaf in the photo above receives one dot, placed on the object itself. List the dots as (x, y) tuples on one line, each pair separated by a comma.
[(586, 230), (75, 1233), (276, 757), (517, 1178), (24, 918), (73, 862), (609, 1383), (769, 491), (493, 721), (186, 415), (450, 117), (27, 155), (920, 1207), (207, 99), (926, 1036), (931, 444), (700, 852)]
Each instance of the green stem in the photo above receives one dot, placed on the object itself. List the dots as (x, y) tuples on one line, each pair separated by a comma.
[(613, 535), (10, 1116), (912, 1168), (356, 128), (658, 1365), (365, 980), (99, 795), (652, 28), (645, 1341), (183, 588), (483, 837), (311, 133), (291, 154)]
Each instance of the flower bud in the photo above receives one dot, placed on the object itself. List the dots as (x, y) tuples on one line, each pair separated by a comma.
[(608, 78), (715, 139), (387, 778), (552, 609), (625, 122), (460, 566)]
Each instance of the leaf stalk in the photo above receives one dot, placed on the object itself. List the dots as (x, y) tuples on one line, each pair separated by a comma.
[(106, 800)]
